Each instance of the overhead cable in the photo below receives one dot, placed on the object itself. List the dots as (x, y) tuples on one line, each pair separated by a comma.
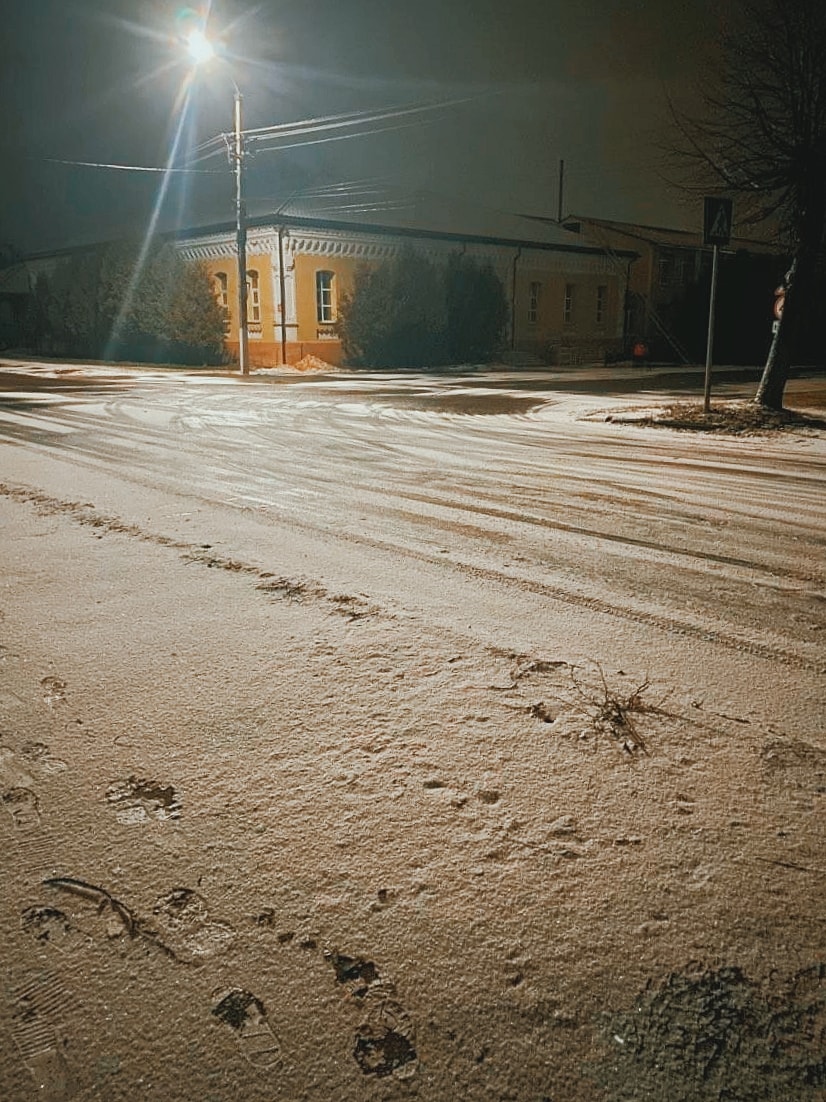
[(132, 168), (333, 138), (331, 122)]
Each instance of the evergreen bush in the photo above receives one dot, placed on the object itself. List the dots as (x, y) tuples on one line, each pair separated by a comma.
[(103, 303), (409, 312)]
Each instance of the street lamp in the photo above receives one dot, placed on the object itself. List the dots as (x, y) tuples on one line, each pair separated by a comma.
[(201, 50)]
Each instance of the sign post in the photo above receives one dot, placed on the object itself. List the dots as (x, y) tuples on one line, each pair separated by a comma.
[(716, 232)]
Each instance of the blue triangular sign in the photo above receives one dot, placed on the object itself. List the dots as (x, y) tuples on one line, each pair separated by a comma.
[(716, 220)]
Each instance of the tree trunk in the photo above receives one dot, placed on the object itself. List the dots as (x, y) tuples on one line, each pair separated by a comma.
[(799, 309), (779, 361), (801, 306)]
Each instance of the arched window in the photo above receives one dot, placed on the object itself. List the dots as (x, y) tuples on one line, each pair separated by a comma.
[(253, 296), (221, 290), (325, 312)]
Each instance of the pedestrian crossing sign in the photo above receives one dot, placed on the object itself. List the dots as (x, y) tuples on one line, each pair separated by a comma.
[(716, 220)]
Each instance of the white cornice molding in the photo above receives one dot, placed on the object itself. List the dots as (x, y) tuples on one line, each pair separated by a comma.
[(214, 250), (371, 246), (330, 244), (222, 246), (359, 245)]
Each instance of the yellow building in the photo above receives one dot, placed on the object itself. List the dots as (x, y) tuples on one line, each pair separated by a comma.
[(566, 295), (669, 262)]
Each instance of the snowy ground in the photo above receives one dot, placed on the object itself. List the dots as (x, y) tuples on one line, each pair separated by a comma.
[(380, 738)]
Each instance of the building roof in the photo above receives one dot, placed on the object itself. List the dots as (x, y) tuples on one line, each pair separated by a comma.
[(663, 235), (419, 215)]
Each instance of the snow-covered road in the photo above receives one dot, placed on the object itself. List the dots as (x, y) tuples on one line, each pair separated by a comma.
[(369, 738), (426, 485)]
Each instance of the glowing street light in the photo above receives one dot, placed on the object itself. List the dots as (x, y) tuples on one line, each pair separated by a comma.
[(201, 51), (199, 48)]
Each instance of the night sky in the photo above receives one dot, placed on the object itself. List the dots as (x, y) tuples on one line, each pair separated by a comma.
[(89, 80)]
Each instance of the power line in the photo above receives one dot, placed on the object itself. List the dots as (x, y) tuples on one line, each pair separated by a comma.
[(326, 122), (356, 118), (132, 168), (308, 126), (281, 130), (333, 138)]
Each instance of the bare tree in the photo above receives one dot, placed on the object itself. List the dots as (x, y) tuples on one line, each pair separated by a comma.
[(762, 137)]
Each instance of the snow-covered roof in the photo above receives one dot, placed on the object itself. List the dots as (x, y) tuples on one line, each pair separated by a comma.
[(420, 214), (660, 235)]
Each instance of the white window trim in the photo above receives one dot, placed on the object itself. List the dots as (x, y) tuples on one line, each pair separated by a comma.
[(253, 296), (324, 302)]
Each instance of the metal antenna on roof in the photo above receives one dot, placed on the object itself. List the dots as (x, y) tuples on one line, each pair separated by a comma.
[(561, 191)]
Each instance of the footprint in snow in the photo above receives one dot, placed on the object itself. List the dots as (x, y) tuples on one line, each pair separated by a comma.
[(38, 755), (36, 1025), (187, 928), (23, 806), (54, 690), (137, 800), (383, 1041), (48, 924), (247, 1017)]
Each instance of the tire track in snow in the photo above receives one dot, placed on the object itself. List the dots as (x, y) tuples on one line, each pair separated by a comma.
[(86, 515), (352, 607), (668, 624), (545, 523)]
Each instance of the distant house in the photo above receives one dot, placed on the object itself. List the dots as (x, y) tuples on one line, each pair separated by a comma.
[(663, 286), (566, 293)]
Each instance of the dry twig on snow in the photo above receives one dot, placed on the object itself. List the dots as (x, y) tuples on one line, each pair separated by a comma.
[(613, 713)]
